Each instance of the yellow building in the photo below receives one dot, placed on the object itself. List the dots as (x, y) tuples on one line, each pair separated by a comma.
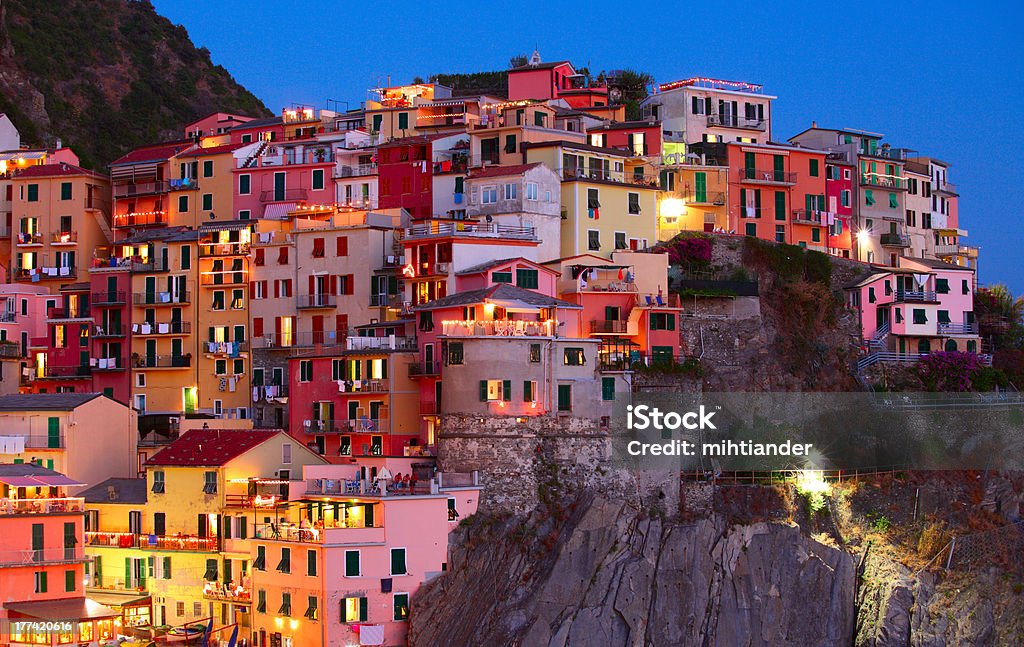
[(202, 188), (609, 199), (694, 191), (185, 540), (59, 216)]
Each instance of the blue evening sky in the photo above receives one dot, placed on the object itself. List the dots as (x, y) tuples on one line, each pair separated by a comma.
[(943, 78)]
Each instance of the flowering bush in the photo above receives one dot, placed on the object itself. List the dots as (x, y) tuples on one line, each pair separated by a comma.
[(693, 250), (950, 371)]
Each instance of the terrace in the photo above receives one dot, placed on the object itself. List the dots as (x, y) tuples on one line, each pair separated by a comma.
[(440, 228), (64, 505), (499, 328), (751, 175)]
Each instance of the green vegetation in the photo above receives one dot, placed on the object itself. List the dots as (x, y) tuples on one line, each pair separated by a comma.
[(788, 262), (113, 75), (464, 84), (1000, 317)]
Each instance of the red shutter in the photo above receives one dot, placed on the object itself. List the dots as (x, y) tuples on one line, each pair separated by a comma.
[(282, 256), (257, 326), (252, 290), (260, 256), (334, 284), (277, 327), (318, 247), (342, 245), (341, 325), (288, 288), (349, 284), (312, 285), (277, 288)]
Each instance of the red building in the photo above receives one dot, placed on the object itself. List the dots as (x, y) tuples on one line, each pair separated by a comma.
[(405, 176), (555, 80), (839, 192), (639, 137)]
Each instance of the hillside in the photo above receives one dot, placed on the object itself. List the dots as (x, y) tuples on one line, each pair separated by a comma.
[(106, 76)]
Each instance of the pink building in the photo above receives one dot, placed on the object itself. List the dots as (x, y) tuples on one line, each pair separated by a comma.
[(340, 564), (42, 563), (555, 80), (273, 179), (23, 318)]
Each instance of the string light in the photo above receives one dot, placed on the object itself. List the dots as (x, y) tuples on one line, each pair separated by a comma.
[(717, 84)]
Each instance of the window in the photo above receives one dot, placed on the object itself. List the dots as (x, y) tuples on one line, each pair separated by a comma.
[(816, 235), (942, 286), (65, 194), (210, 482), (531, 191), (593, 201), (534, 353), (285, 564), (353, 610), (869, 197), (341, 246), (565, 397), (663, 321), (352, 568), (33, 196), (750, 229), (158, 481), (319, 247), (456, 353), (305, 370), (403, 121), (538, 118), (401, 606), (573, 357), (511, 191), (286, 453), (894, 202), (398, 566), (920, 316), (244, 184), (502, 277), (220, 367), (318, 179), (453, 513), (311, 563), (40, 578), (218, 300), (489, 195), (211, 570), (260, 563), (607, 388), (529, 391), (69, 581), (208, 168), (593, 240), (527, 279), (813, 170), (286, 605), (182, 203), (634, 203), (312, 611), (965, 287)]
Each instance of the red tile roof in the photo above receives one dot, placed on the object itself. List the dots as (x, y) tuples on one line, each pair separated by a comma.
[(211, 447), (154, 153), (212, 150), (502, 171), (54, 170)]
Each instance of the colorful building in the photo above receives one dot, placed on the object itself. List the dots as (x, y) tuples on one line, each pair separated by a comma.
[(694, 189)]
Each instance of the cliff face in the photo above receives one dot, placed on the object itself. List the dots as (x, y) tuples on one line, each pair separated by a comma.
[(106, 76)]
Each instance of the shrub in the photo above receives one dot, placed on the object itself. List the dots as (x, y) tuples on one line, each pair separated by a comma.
[(950, 371)]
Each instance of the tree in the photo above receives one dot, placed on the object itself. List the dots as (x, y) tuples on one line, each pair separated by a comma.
[(518, 60), (631, 87)]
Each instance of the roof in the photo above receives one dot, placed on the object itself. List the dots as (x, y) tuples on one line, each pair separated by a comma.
[(500, 291), (483, 267), (46, 401), (938, 265), (541, 66), (125, 491), (211, 447), (845, 131), (258, 123), (60, 169), (624, 125), (867, 278), (212, 150), (620, 152), (32, 475), (119, 598), (501, 171), (63, 609), (154, 153), (165, 234)]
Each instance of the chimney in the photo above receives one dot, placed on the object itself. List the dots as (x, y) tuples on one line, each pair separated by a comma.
[(814, 124), (111, 493), (59, 146)]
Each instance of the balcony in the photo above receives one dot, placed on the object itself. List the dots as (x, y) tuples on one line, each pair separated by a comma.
[(763, 176), (225, 593), (424, 369), (225, 277), (111, 539), (151, 328), (161, 298), (46, 273), (735, 121), (45, 556), (394, 300), (109, 331), (805, 217), (140, 219), (911, 296), (607, 327), (874, 180), (65, 505), (24, 239), (956, 250), (958, 328), (337, 535), (151, 265), (66, 372), (108, 298), (380, 343), (231, 348), (358, 170), (132, 189), (188, 543), (895, 240), (708, 197), (571, 174), (80, 311), (64, 238), (498, 328), (944, 188), (223, 249), (362, 426), (470, 229), (10, 350), (108, 364), (364, 386), (288, 195), (314, 301), (162, 361)]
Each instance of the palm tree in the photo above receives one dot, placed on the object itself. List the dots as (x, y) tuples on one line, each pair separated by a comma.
[(1005, 304)]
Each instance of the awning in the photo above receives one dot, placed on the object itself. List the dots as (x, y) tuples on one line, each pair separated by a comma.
[(39, 480), (513, 305), (25, 155), (115, 599), (67, 609), (278, 210), (226, 225)]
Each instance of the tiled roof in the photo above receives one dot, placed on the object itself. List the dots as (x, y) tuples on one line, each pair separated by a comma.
[(212, 150), (258, 123), (483, 267), (540, 66), (125, 491), (46, 401), (155, 153), (502, 171), (500, 291), (624, 125), (939, 265), (54, 170), (211, 447), (166, 234), (25, 469)]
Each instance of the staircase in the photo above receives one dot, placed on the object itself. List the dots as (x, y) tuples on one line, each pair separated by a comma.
[(877, 341), (250, 161), (104, 224)]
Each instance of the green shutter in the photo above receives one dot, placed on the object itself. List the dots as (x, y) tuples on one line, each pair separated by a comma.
[(362, 609), (701, 182), (398, 561), (167, 568), (351, 563), (65, 193), (607, 388), (749, 164), (780, 205), (403, 120), (564, 397), (506, 390), (670, 321), (33, 193), (527, 391), (182, 203), (127, 571), (69, 581), (814, 168), (779, 163), (53, 433), (483, 390), (37, 537), (368, 515), (310, 562)]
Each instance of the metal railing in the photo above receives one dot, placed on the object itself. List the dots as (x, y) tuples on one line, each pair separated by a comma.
[(895, 240), (707, 197), (109, 364), (736, 121), (958, 329), (424, 369), (109, 330), (22, 238), (42, 506), (902, 296), (287, 195), (58, 372), (357, 170), (767, 176), (111, 539), (161, 298), (607, 326), (63, 237), (390, 342), (66, 312), (29, 557), (10, 350), (306, 301), (805, 216), (190, 543), (885, 182), (162, 361), (147, 328), (440, 228), (362, 426), (108, 298), (140, 188), (223, 249), (140, 219)]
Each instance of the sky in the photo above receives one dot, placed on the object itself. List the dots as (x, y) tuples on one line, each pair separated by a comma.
[(942, 78)]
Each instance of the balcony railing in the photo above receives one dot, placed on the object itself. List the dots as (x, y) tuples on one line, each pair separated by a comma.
[(29, 557), (958, 329), (387, 300), (225, 593), (147, 328), (64, 238), (607, 327), (66, 372), (225, 347), (357, 170), (67, 312), (904, 296), (161, 298), (956, 250), (46, 273), (736, 121), (424, 369), (765, 176), (140, 219), (390, 342), (141, 188), (805, 217), (189, 543), (498, 328), (361, 426), (42, 506), (162, 361), (110, 330), (223, 249), (895, 240), (292, 532), (10, 350), (23, 239), (108, 298), (493, 230), (708, 197), (111, 539), (947, 188), (311, 301), (884, 182), (109, 364), (288, 195), (364, 386)]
